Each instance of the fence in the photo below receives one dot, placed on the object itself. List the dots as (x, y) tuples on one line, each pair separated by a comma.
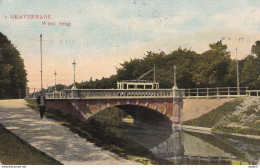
[(215, 92), (253, 92)]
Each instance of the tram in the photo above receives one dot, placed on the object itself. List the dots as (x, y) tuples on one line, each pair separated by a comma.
[(139, 83)]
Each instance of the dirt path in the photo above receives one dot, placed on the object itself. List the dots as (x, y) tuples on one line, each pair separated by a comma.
[(55, 140)]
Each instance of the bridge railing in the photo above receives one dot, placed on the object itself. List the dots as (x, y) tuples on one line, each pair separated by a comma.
[(253, 92), (116, 93), (57, 94), (215, 92), (191, 93)]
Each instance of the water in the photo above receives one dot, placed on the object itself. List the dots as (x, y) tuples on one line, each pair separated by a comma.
[(182, 147)]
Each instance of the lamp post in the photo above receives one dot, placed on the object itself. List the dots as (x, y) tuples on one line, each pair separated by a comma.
[(55, 74), (175, 83), (54, 90), (238, 90), (74, 83)]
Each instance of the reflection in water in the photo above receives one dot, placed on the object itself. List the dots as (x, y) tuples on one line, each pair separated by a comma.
[(183, 147)]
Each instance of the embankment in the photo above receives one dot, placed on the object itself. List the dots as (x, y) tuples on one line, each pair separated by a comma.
[(194, 108), (239, 116)]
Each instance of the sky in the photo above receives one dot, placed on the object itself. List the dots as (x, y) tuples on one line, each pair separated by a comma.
[(101, 34)]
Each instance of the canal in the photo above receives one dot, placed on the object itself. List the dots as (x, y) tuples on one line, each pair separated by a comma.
[(183, 147)]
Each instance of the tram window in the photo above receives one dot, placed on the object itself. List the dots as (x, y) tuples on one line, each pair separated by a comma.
[(125, 86), (131, 86), (154, 86), (148, 86), (140, 86)]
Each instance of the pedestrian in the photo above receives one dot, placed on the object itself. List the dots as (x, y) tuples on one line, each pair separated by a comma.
[(41, 103)]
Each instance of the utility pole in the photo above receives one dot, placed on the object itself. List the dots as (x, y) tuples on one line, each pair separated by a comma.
[(238, 89), (41, 57)]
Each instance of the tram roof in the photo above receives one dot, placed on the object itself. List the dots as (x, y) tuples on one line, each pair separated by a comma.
[(137, 81)]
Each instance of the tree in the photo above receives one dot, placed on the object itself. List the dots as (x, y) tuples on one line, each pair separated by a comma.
[(212, 66), (60, 87), (13, 76), (250, 75), (255, 49)]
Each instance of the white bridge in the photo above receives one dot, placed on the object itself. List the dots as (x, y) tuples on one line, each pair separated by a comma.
[(194, 93)]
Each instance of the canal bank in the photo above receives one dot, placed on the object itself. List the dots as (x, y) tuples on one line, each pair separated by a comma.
[(52, 138), (14, 150), (209, 131)]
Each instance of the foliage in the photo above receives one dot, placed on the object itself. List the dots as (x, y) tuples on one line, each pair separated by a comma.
[(212, 68), (250, 74), (12, 72), (60, 87), (256, 49)]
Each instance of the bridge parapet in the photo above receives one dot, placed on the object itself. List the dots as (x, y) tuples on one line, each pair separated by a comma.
[(118, 94), (193, 93)]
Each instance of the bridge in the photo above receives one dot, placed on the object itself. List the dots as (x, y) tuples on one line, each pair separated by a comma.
[(165, 103)]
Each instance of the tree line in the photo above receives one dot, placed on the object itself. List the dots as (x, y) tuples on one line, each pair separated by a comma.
[(212, 68), (13, 76)]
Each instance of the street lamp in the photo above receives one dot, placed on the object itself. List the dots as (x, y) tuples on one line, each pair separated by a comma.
[(74, 83), (238, 90), (55, 74), (175, 82), (54, 90)]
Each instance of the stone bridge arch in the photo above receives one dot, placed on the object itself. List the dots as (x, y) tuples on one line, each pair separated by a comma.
[(84, 108), (143, 114)]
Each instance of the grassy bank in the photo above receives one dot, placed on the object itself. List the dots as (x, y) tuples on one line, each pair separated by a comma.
[(14, 151), (98, 130), (237, 116)]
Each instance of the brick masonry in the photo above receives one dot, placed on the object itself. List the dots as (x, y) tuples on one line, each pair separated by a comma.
[(177, 110), (84, 108)]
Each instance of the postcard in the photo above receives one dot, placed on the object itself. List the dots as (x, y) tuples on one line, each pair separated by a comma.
[(129, 82)]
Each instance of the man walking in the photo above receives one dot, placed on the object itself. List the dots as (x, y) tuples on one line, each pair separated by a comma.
[(41, 103)]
